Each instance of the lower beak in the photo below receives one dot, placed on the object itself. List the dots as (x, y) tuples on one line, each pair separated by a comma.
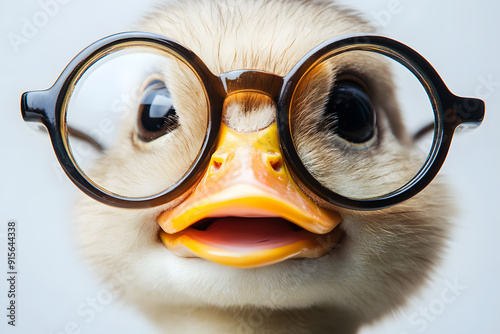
[(247, 211)]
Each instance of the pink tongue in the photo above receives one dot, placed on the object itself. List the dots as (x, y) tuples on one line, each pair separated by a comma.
[(248, 234)]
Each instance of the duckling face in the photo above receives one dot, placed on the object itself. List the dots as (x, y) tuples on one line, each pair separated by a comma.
[(248, 234)]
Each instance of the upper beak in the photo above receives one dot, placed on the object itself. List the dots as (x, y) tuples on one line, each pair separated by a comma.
[(247, 178)]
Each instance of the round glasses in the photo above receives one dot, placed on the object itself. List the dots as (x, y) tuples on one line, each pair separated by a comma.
[(135, 118)]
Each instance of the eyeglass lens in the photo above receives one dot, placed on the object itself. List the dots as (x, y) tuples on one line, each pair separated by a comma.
[(354, 117), (136, 120)]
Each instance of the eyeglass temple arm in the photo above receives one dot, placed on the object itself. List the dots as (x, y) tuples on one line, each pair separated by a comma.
[(80, 135), (466, 112), (33, 107), (423, 131), (83, 136)]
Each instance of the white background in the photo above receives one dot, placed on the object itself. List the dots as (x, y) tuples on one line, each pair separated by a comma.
[(460, 38)]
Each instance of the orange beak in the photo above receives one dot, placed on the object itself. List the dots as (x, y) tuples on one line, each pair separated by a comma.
[(247, 211)]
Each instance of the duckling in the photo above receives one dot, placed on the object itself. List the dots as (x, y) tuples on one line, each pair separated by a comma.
[(202, 264)]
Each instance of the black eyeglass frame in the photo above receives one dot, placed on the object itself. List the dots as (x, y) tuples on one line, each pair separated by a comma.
[(450, 111)]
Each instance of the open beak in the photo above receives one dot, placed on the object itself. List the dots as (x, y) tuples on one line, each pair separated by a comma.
[(247, 211)]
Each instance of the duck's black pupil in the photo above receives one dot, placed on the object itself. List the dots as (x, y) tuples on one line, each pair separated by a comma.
[(349, 112), (157, 115)]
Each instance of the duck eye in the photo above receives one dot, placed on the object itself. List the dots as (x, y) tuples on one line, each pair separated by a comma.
[(157, 115), (349, 112)]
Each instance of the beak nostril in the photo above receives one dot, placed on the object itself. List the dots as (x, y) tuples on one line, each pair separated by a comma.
[(276, 165), (275, 161), (216, 165)]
